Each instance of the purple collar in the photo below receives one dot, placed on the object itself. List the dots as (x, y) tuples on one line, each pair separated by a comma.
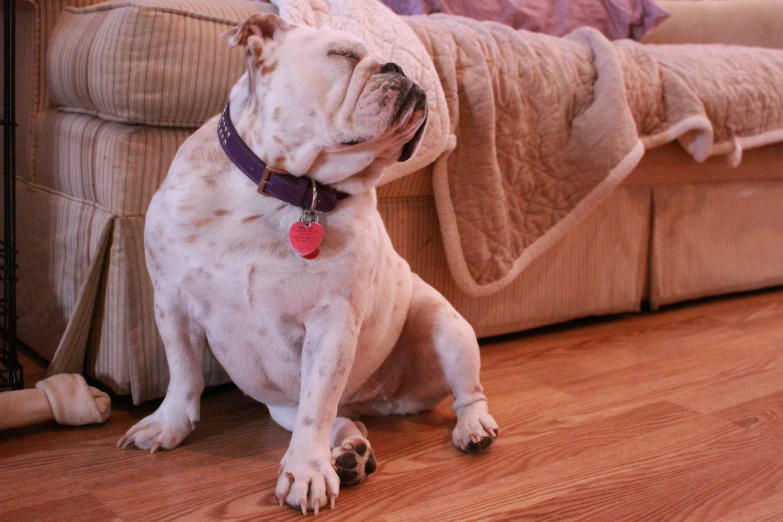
[(296, 190)]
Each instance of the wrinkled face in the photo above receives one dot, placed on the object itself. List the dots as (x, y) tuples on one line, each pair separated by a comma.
[(317, 102)]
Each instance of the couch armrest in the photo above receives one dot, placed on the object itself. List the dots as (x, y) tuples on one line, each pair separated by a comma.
[(757, 23), (35, 21)]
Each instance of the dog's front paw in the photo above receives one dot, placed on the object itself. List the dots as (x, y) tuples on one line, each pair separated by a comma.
[(354, 461), (158, 431), (476, 430), (305, 481)]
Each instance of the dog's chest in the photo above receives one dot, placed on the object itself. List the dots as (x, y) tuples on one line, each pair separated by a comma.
[(244, 285), (252, 296)]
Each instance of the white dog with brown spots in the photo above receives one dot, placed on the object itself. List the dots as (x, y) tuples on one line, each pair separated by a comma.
[(345, 331)]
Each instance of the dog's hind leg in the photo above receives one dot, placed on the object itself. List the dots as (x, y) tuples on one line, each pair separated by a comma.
[(352, 456), (179, 412), (434, 325)]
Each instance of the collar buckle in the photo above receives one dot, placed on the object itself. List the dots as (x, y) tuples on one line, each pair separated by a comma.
[(268, 171)]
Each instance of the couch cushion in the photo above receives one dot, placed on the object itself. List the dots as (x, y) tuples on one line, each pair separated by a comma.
[(114, 166), (156, 62)]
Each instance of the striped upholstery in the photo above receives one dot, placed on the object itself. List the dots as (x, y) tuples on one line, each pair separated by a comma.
[(114, 166), (600, 268), (735, 246), (115, 60)]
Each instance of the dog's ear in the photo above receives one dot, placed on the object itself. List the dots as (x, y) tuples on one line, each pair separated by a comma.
[(255, 31)]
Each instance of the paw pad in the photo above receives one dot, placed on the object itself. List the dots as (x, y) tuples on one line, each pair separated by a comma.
[(354, 461)]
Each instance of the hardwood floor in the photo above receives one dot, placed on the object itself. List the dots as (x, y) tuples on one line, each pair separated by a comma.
[(667, 416)]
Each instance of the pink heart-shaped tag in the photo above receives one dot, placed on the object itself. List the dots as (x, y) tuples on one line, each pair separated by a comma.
[(304, 239)]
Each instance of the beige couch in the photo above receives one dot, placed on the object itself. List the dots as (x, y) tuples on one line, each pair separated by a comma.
[(89, 162)]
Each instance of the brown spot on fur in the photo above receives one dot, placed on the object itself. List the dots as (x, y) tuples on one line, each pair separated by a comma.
[(280, 162), (291, 329), (276, 114), (307, 421), (248, 219), (342, 359), (222, 212), (272, 386), (314, 464), (260, 25), (334, 242), (269, 69), (203, 221), (278, 249), (210, 181), (192, 238), (262, 332), (250, 285), (212, 244)]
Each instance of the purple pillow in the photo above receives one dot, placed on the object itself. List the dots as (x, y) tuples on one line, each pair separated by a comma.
[(615, 18)]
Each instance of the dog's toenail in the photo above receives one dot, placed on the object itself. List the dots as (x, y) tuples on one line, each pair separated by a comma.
[(347, 461), (361, 449)]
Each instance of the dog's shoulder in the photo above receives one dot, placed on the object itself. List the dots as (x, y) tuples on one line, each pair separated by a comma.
[(201, 153)]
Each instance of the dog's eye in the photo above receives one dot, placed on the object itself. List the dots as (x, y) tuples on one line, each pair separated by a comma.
[(345, 53), (353, 142)]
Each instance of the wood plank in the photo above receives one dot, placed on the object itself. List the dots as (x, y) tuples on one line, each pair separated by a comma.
[(85, 508)]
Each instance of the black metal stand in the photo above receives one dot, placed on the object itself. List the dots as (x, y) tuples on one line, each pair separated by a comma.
[(11, 376)]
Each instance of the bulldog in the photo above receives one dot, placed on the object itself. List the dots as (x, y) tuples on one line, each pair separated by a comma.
[(264, 244)]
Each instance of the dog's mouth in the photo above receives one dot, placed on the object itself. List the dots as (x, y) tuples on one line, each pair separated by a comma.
[(414, 100), (411, 145), (392, 107), (413, 106)]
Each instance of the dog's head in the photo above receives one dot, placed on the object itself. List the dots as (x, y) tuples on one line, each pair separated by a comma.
[(318, 102)]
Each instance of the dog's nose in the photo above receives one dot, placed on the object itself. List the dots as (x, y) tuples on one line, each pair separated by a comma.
[(392, 67)]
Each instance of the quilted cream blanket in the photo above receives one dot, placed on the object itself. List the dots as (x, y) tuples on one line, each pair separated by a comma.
[(531, 132)]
